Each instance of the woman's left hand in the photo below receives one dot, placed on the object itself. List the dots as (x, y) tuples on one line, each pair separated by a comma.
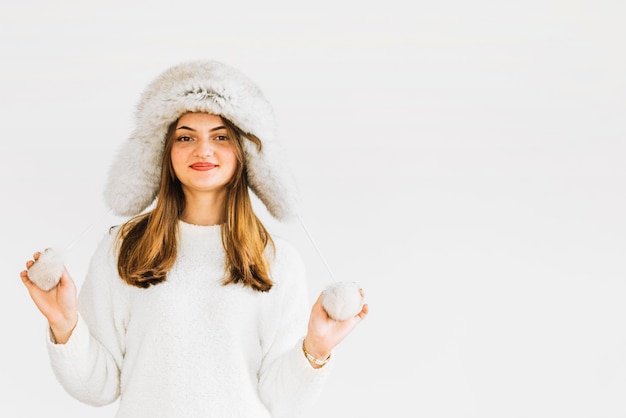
[(325, 333)]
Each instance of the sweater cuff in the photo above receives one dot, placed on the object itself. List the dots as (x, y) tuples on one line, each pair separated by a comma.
[(79, 337)]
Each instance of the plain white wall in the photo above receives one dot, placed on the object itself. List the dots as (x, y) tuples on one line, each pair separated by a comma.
[(463, 161)]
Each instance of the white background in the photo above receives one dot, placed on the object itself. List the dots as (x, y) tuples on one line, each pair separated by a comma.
[(463, 161)]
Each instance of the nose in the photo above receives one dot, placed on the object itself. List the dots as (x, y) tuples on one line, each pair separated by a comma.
[(204, 148)]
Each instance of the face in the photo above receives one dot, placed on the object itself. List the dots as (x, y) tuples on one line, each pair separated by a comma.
[(203, 154)]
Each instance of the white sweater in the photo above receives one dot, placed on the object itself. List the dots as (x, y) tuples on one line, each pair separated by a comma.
[(191, 347)]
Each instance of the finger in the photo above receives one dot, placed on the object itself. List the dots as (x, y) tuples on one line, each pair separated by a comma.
[(25, 279), (364, 311)]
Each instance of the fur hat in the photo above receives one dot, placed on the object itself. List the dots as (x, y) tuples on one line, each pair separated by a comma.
[(199, 86)]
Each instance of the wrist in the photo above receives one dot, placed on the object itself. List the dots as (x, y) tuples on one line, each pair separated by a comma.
[(316, 360), (62, 330)]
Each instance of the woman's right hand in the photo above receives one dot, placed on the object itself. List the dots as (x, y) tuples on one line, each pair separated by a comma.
[(58, 305)]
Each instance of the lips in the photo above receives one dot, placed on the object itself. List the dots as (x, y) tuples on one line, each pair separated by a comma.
[(202, 166)]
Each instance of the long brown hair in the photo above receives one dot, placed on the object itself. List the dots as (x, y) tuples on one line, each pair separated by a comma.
[(147, 243)]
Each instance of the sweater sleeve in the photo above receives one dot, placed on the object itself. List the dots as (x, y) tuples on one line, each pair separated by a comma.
[(88, 364), (288, 384)]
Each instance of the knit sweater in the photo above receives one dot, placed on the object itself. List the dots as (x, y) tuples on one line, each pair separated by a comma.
[(191, 347)]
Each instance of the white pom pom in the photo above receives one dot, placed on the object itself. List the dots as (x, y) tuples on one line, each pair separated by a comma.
[(342, 300), (47, 270)]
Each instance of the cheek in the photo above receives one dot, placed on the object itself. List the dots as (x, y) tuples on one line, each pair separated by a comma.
[(229, 155), (231, 159), (177, 159)]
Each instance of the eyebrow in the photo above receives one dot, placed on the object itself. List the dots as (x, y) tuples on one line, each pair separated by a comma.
[(187, 128)]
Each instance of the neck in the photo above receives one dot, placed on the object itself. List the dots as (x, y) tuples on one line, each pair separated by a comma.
[(204, 209)]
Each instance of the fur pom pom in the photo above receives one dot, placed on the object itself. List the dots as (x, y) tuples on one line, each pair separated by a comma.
[(342, 300), (47, 270)]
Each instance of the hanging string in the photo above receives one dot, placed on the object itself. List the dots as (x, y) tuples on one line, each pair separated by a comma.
[(89, 228), (319, 253)]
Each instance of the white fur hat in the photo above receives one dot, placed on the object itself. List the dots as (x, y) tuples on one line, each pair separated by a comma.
[(199, 86)]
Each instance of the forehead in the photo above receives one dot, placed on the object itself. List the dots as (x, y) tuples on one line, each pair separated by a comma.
[(200, 118)]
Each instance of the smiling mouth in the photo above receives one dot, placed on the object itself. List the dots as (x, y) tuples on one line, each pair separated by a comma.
[(202, 166)]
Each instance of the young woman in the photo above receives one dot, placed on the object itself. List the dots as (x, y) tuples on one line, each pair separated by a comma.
[(191, 308)]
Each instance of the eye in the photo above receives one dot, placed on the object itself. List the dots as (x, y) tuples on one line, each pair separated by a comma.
[(184, 138), (221, 138)]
